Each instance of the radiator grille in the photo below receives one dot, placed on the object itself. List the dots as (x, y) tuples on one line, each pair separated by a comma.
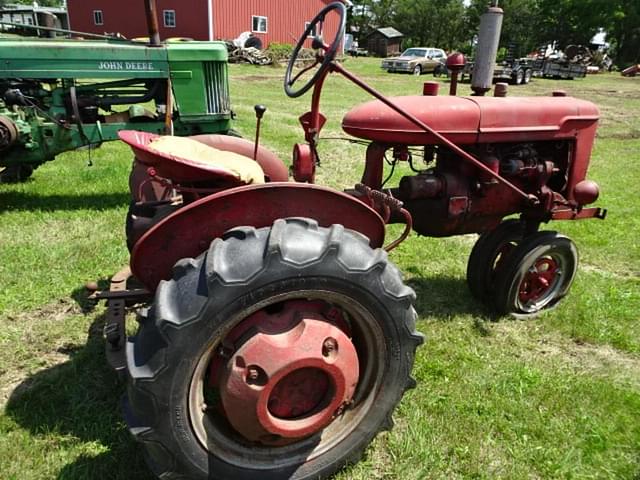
[(217, 87)]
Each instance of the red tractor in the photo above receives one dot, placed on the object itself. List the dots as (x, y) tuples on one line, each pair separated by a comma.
[(279, 337)]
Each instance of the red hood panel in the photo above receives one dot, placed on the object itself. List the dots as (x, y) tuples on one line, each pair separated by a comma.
[(532, 113), (470, 119), (457, 118)]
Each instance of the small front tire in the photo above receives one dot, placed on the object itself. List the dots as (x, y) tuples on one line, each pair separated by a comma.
[(489, 254), (537, 275), (417, 70)]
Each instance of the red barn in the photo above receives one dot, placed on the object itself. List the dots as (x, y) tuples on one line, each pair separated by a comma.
[(279, 21)]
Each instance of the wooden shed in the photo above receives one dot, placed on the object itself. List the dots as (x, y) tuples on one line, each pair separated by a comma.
[(385, 42)]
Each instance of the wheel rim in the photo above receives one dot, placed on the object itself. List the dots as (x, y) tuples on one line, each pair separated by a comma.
[(319, 423), (543, 282), (417, 70)]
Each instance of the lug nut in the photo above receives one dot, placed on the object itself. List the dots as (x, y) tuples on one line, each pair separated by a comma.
[(329, 346), (253, 374)]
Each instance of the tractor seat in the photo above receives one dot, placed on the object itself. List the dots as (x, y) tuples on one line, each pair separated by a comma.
[(188, 160)]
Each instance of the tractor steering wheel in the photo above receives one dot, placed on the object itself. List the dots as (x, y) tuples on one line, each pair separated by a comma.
[(318, 43)]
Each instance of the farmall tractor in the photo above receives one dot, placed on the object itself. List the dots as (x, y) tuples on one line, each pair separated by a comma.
[(278, 337)]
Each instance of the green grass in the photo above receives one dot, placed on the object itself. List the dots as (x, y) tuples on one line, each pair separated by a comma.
[(553, 397)]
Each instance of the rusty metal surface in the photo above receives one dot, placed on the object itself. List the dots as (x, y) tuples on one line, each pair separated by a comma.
[(114, 327), (189, 231), (170, 166), (569, 214), (182, 170), (132, 294), (151, 12)]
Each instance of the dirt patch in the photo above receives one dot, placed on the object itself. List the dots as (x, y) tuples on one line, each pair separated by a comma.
[(259, 78), (54, 311), (620, 275), (19, 378), (35, 352), (596, 360), (621, 135)]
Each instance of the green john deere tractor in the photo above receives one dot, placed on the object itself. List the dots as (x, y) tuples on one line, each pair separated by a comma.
[(58, 95)]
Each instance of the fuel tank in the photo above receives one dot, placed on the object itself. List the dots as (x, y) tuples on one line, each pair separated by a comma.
[(468, 120)]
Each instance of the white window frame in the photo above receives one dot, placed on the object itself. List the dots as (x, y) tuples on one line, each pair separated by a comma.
[(312, 34), (169, 13), (253, 23), (98, 17)]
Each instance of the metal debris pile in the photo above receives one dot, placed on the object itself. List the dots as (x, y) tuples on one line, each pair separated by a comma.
[(250, 55)]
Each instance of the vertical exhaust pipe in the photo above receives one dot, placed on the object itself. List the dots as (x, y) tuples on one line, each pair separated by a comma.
[(152, 22), (487, 49)]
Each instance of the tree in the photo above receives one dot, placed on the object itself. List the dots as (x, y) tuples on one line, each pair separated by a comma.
[(434, 23), (624, 32), (528, 24), (367, 15)]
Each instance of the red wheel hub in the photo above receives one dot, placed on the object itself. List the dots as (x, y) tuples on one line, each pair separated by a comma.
[(538, 280), (289, 378)]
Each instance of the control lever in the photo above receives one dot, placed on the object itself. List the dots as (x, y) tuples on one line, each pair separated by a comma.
[(259, 109)]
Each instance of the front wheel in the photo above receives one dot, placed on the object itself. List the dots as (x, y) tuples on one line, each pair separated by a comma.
[(518, 78), (417, 70), (488, 255), (279, 353), (537, 275)]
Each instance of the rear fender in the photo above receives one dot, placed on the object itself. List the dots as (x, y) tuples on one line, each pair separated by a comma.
[(189, 231)]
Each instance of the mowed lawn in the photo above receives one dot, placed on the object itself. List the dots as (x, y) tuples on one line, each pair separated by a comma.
[(553, 397)]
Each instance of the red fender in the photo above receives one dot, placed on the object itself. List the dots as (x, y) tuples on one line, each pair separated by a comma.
[(189, 231)]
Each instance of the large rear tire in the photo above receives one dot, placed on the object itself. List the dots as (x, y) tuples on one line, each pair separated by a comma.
[(192, 374)]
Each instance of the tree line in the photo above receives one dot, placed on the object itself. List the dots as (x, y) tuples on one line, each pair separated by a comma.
[(527, 24)]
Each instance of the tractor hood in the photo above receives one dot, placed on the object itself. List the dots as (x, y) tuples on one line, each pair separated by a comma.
[(467, 120)]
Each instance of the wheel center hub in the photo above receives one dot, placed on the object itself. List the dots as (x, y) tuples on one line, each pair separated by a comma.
[(538, 280), (284, 385)]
